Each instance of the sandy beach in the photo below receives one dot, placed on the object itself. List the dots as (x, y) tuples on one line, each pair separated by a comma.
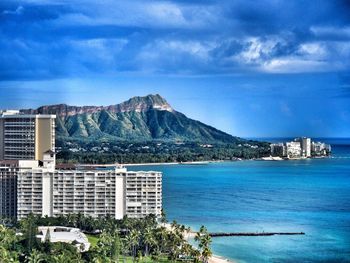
[(218, 259), (192, 234), (173, 163)]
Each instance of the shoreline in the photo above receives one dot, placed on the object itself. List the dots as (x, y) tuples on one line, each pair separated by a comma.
[(175, 163), (220, 259), (191, 234), (269, 158)]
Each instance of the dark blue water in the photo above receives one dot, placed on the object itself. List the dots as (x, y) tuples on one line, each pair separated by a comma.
[(312, 196)]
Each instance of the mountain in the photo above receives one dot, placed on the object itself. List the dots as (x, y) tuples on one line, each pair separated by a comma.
[(138, 119)]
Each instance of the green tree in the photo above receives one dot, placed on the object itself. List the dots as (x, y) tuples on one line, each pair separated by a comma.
[(148, 239), (204, 240), (133, 241), (29, 229), (36, 257)]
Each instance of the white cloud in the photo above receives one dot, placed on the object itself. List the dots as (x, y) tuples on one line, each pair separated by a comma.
[(294, 65), (154, 14), (18, 11)]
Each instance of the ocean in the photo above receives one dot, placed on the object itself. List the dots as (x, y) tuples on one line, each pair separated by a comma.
[(311, 196)]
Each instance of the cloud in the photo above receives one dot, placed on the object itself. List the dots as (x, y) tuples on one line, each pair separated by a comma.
[(55, 39), (18, 11)]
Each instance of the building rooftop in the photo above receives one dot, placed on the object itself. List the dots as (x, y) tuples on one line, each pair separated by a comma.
[(66, 235)]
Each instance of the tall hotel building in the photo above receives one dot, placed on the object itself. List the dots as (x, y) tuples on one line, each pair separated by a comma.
[(26, 137), (39, 187)]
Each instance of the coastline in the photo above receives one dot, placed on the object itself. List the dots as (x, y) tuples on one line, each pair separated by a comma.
[(219, 259), (191, 234), (268, 158), (174, 163)]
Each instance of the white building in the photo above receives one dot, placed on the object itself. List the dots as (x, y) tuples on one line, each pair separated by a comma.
[(64, 234), (301, 147), (278, 149), (305, 146), (30, 182), (90, 190), (293, 149), (320, 149)]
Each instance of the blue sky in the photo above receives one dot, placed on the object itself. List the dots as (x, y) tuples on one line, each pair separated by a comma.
[(250, 68)]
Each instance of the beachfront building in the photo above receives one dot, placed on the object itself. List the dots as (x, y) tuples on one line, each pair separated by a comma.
[(30, 182), (64, 234), (90, 190), (24, 136), (305, 144), (320, 149), (301, 147), (278, 149), (293, 150)]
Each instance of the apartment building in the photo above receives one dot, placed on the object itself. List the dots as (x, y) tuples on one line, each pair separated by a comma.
[(143, 194), (293, 149), (301, 147), (97, 191), (25, 137), (30, 182), (8, 184)]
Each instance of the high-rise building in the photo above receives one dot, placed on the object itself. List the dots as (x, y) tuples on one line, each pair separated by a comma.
[(8, 185), (30, 182), (278, 149), (26, 137), (293, 149), (90, 190), (305, 146)]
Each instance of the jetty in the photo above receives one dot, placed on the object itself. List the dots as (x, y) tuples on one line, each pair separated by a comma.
[(248, 234)]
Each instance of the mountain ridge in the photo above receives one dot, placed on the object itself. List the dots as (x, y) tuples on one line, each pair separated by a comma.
[(138, 119)]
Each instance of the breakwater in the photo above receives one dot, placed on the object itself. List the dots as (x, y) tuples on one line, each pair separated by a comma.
[(247, 234)]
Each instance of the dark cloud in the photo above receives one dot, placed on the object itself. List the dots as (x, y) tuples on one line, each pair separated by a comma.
[(41, 40)]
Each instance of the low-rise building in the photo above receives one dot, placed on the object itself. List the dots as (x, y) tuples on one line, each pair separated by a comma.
[(64, 234)]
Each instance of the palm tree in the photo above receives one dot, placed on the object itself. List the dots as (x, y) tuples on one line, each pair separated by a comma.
[(115, 248), (148, 239), (36, 257), (8, 256), (204, 240), (195, 254), (206, 254), (163, 217), (174, 225), (29, 228), (162, 235), (133, 240), (61, 258)]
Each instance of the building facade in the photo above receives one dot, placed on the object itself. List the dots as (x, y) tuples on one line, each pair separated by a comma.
[(301, 147), (96, 191), (293, 149), (31, 183), (26, 137)]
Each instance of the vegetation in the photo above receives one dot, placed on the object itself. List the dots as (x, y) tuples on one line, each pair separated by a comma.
[(126, 240), (100, 151)]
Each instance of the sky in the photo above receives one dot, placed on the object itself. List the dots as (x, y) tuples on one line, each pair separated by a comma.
[(265, 68)]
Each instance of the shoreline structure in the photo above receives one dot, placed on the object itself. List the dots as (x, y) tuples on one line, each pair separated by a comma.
[(191, 234)]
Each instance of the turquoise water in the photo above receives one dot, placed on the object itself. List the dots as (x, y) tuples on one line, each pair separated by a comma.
[(312, 196)]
